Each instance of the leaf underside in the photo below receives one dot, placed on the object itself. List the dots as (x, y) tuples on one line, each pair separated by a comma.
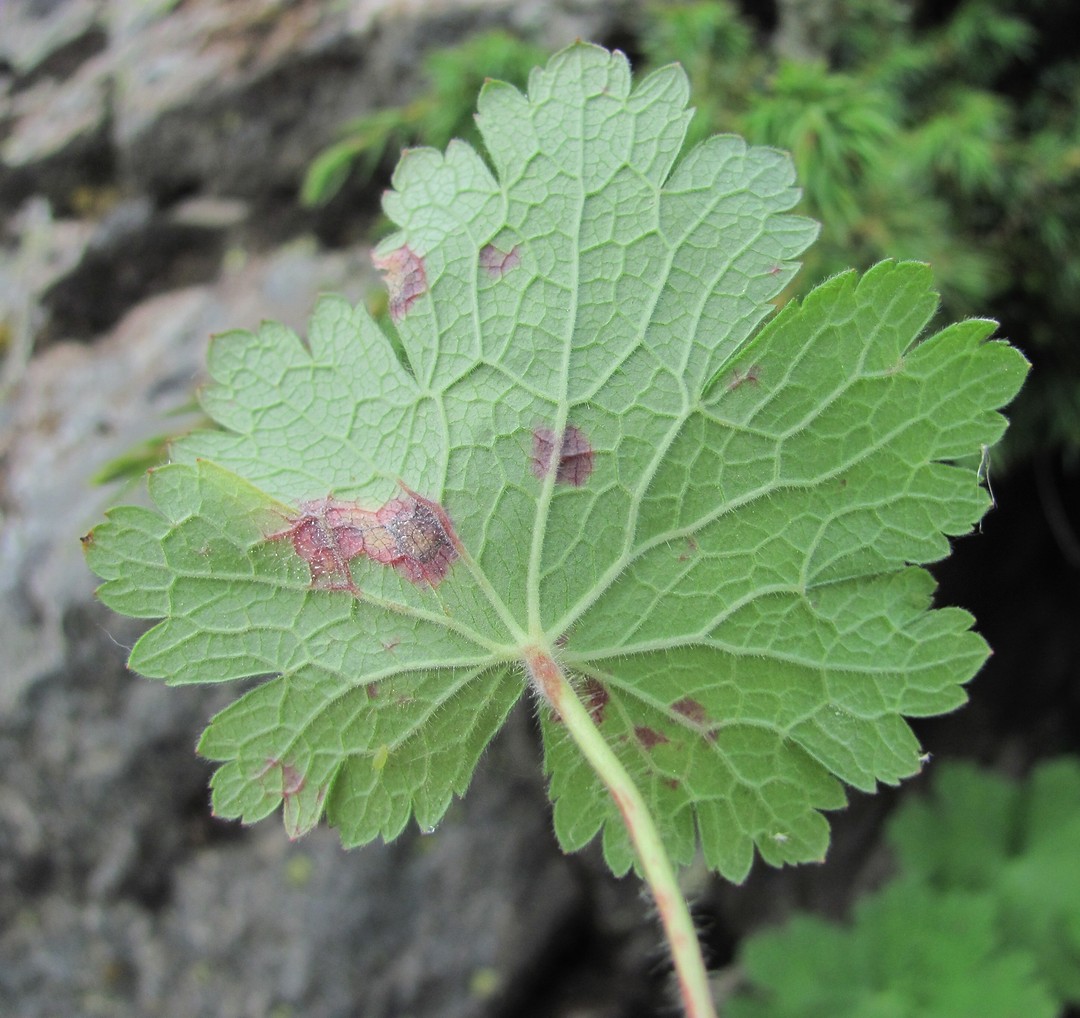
[(718, 533)]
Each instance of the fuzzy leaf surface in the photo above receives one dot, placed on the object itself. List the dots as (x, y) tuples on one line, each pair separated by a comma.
[(717, 533)]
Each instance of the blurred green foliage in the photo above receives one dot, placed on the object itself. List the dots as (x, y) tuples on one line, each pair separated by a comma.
[(1019, 843), (909, 953), (949, 134), (983, 922), (444, 111)]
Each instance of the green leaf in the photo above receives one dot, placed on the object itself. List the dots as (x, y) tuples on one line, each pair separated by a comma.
[(909, 951), (1016, 842), (578, 448)]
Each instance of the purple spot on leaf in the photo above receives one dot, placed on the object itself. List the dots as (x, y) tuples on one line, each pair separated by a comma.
[(410, 533), (292, 781), (691, 550), (575, 455), (403, 272), (495, 262), (694, 712), (278, 776), (421, 543)]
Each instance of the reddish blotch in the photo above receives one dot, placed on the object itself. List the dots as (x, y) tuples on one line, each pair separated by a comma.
[(292, 780), (410, 533), (575, 455), (403, 272), (495, 262)]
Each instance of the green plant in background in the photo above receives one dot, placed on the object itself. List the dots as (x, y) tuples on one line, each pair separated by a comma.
[(1018, 842), (721, 56), (909, 952), (444, 111), (908, 143), (983, 921), (585, 472)]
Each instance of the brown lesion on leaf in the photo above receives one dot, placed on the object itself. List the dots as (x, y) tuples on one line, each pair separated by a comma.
[(496, 263), (576, 455), (693, 713), (691, 710), (595, 697), (405, 277), (410, 533), (649, 737)]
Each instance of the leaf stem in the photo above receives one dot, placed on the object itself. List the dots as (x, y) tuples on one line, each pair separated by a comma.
[(550, 681)]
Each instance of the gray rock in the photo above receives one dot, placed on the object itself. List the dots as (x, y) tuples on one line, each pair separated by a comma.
[(45, 36), (186, 920), (79, 406), (56, 119)]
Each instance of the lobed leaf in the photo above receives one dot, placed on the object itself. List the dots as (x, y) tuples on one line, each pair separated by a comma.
[(718, 533)]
